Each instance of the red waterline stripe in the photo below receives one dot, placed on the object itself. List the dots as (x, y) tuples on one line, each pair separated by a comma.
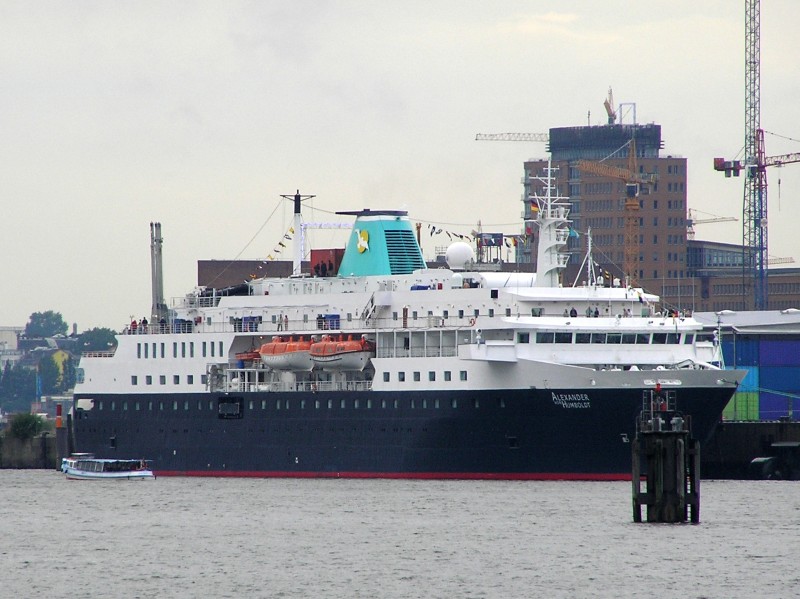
[(404, 475)]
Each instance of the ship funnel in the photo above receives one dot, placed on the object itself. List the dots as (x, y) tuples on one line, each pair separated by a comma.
[(159, 308), (382, 242)]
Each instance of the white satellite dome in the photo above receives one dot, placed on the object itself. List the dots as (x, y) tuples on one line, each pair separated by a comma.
[(458, 255)]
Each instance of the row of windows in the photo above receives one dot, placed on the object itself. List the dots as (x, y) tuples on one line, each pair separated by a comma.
[(287, 404), (162, 379), (608, 338), (416, 376), (151, 350)]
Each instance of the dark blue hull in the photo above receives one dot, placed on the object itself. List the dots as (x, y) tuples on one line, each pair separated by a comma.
[(504, 434)]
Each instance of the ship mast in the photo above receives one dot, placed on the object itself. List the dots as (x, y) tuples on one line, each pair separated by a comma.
[(297, 261), (551, 218)]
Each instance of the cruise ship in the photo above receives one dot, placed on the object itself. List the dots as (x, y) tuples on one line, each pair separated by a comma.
[(391, 369)]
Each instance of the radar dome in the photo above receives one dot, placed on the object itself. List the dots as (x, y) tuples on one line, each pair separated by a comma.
[(459, 254)]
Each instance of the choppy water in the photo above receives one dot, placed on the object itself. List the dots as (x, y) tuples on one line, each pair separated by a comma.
[(194, 537)]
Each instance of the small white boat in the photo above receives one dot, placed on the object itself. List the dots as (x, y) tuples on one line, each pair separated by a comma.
[(80, 466)]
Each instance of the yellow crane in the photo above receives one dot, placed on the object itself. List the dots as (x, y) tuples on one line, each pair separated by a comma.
[(634, 180)]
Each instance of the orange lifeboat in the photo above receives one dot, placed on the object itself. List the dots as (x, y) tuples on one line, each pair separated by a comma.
[(342, 354), (248, 356), (287, 353)]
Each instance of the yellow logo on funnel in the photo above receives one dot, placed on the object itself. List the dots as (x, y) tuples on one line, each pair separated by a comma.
[(363, 241)]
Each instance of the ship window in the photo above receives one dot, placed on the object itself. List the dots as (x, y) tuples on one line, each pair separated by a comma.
[(424, 404), (212, 349), (305, 317), (463, 375), (150, 406), (191, 349), (356, 403), (491, 311), (139, 351), (277, 404), (146, 351), (416, 376), (134, 379), (445, 313), (461, 313), (100, 405), (204, 379), (185, 404), (476, 403), (190, 379), (330, 404), (220, 349), (447, 375), (563, 337), (395, 404), (124, 406), (614, 338), (688, 339), (394, 315), (385, 377), (163, 350), (176, 379), (413, 404), (174, 349), (401, 376), (598, 337), (136, 406), (175, 405), (501, 403), (431, 375), (349, 317), (628, 338), (148, 380), (414, 315), (643, 338), (183, 349), (523, 337), (210, 404), (436, 404), (263, 404), (341, 403), (162, 379), (250, 405), (383, 404), (673, 338), (453, 403), (508, 311), (230, 408), (545, 337), (199, 404), (583, 338), (476, 313), (659, 338), (204, 349), (316, 404)]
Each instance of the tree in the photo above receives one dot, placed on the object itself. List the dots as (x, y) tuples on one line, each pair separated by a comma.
[(17, 388), (68, 376), (25, 426), (50, 375), (45, 324), (97, 339)]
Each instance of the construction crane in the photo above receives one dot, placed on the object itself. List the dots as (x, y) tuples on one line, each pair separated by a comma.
[(691, 221), (633, 183), (754, 208), (609, 106)]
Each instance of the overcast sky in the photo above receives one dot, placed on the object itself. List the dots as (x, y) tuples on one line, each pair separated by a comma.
[(200, 114)]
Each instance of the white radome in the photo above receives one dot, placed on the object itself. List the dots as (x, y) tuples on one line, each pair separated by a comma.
[(459, 255)]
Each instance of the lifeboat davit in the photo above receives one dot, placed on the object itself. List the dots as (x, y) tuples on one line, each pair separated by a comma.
[(342, 354), (287, 353), (248, 356)]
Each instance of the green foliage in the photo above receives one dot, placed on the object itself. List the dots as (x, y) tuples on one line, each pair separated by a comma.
[(49, 375), (25, 426), (97, 339), (17, 388), (45, 324), (68, 376)]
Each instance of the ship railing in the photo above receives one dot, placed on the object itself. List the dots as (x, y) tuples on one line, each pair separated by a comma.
[(297, 387), (417, 352)]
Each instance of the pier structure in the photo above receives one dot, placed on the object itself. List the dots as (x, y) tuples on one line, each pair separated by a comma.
[(667, 460)]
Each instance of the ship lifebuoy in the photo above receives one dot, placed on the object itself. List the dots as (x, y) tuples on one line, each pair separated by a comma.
[(472, 322)]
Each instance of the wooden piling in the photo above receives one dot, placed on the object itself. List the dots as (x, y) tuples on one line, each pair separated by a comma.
[(667, 459)]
